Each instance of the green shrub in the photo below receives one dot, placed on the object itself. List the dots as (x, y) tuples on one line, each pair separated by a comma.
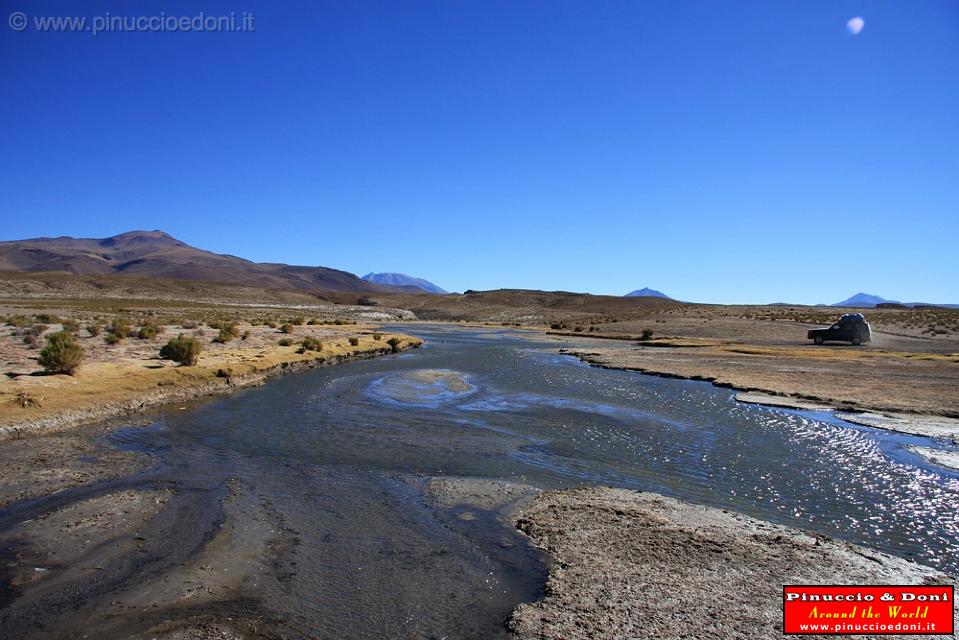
[(287, 328), (354, 342), (309, 343), (313, 321), (394, 344), (94, 329), (72, 326), (228, 331), (297, 321), (246, 334), (555, 325), (47, 318), (121, 328), (62, 353), (285, 342), (111, 338), (182, 349), (270, 324), (377, 336), (646, 335), (148, 331)]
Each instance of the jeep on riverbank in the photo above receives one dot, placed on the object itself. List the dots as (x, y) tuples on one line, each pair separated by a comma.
[(851, 327)]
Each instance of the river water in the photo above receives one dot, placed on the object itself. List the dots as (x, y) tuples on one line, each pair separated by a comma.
[(341, 457)]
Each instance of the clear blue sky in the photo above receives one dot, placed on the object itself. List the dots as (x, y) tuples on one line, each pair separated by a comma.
[(718, 151)]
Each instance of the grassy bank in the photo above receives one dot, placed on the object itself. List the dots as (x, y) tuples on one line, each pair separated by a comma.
[(35, 403)]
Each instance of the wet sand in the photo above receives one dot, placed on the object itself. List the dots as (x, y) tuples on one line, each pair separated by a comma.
[(641, 565)]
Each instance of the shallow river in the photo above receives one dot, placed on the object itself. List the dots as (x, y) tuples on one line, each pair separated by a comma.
[(341, 455)]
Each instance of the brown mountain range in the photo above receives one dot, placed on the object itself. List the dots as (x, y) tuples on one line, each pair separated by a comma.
[(155, 254)]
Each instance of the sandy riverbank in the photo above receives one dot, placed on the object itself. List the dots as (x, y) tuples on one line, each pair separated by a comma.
[(105, 507), (641, 565), (807, 377), (123, 382), (43, 450)]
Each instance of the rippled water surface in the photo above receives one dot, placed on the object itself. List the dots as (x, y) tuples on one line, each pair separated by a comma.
[(341, 453)]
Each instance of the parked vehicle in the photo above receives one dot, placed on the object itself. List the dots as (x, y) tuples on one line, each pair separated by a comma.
[(851, 327)]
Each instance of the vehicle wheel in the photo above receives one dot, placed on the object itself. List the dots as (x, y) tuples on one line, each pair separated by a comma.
[(856, 342), (818, 340)]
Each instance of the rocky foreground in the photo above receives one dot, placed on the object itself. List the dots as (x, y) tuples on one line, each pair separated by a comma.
[(641, 565)]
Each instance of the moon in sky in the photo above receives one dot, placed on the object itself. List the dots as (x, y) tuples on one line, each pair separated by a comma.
[(855, 25)]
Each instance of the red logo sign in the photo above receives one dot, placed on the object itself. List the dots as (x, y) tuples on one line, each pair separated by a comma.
[(874, 609)]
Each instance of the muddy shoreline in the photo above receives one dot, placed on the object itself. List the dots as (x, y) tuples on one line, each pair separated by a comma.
[(770, 395), (642, 565)]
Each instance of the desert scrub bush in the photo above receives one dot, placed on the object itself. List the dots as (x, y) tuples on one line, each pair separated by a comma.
[(47, 318), (111, 339), (285, 342), (313, 321), (182, 349), (31, 337), (94, 329), (19, 321), (120, 328), (555, 326), (270, 324), (309, 343), (71, 325), (394, 344), (246, 334), (297, 321), (62, 353), (354, 342), (189, 324), (377, 336), (148, 331), (647, 334), (287, 328), (227, 332)]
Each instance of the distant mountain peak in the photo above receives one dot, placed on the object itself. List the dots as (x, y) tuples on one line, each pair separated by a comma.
[(141, 237), (157, 254), (646, 292), (403, 280), (862, 300)]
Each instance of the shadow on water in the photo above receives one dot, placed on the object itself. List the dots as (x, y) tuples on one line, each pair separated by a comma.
[(332, 467)]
